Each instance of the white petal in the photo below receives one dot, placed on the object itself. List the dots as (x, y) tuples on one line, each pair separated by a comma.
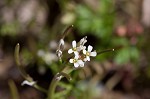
[(84, 47), (83, 40), (90, 48), (81, 63), (85, 59), (93, 54), (76, 55), (73, 44), (88, 58), (84, 52), (61, 42), (70, 51), (59, 53), (81, 47), (28, 83), (71, 60), (76, 65)]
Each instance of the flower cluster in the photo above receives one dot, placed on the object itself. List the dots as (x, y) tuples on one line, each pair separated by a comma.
[(81, 54)]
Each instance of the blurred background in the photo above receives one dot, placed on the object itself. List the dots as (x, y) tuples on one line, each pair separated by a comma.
[(38, 25)]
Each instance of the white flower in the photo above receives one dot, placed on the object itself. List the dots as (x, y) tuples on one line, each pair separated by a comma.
[(81, 55), (89, 53), (25, 82), (77, 62), (74, 49)]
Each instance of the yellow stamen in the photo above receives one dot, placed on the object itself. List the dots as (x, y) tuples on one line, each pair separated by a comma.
[(74, 60), (74, 49), (87, 54)]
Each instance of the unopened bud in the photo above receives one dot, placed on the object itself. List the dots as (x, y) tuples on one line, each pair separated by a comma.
[(83, 40)]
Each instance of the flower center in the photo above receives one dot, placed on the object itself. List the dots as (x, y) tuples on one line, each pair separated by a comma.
[(74, 60), (74, 49), (87, 54)]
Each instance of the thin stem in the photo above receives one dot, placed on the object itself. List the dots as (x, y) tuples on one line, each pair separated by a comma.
[(18, 63), (68, 29), (13, 89), (108, 50), (40, 88), (52, 88)]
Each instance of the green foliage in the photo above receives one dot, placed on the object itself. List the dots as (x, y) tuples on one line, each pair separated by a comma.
[(135, 54), (10, 29), (98, 23), (120, 41), (123, 56), (127, 53)]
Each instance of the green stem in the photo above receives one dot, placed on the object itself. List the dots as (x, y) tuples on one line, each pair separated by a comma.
[(108, 50), (40, 88), (52, 88), (13, 89), (18, 63), (68, 29), (64, 73)]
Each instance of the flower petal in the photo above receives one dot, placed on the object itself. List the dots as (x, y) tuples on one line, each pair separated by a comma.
[(81, 47), (90, 48), (71, 60), (81, 63), (76, 55), (70, 51), (85, 59), (76, 65), (84, 52), (61, 42), (59, 53), (25, 82), (83, 40), (93, 54), (73, 43), (88, 58)]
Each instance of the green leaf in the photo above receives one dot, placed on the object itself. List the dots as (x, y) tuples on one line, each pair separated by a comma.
[(135, 54), (123, 56)]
